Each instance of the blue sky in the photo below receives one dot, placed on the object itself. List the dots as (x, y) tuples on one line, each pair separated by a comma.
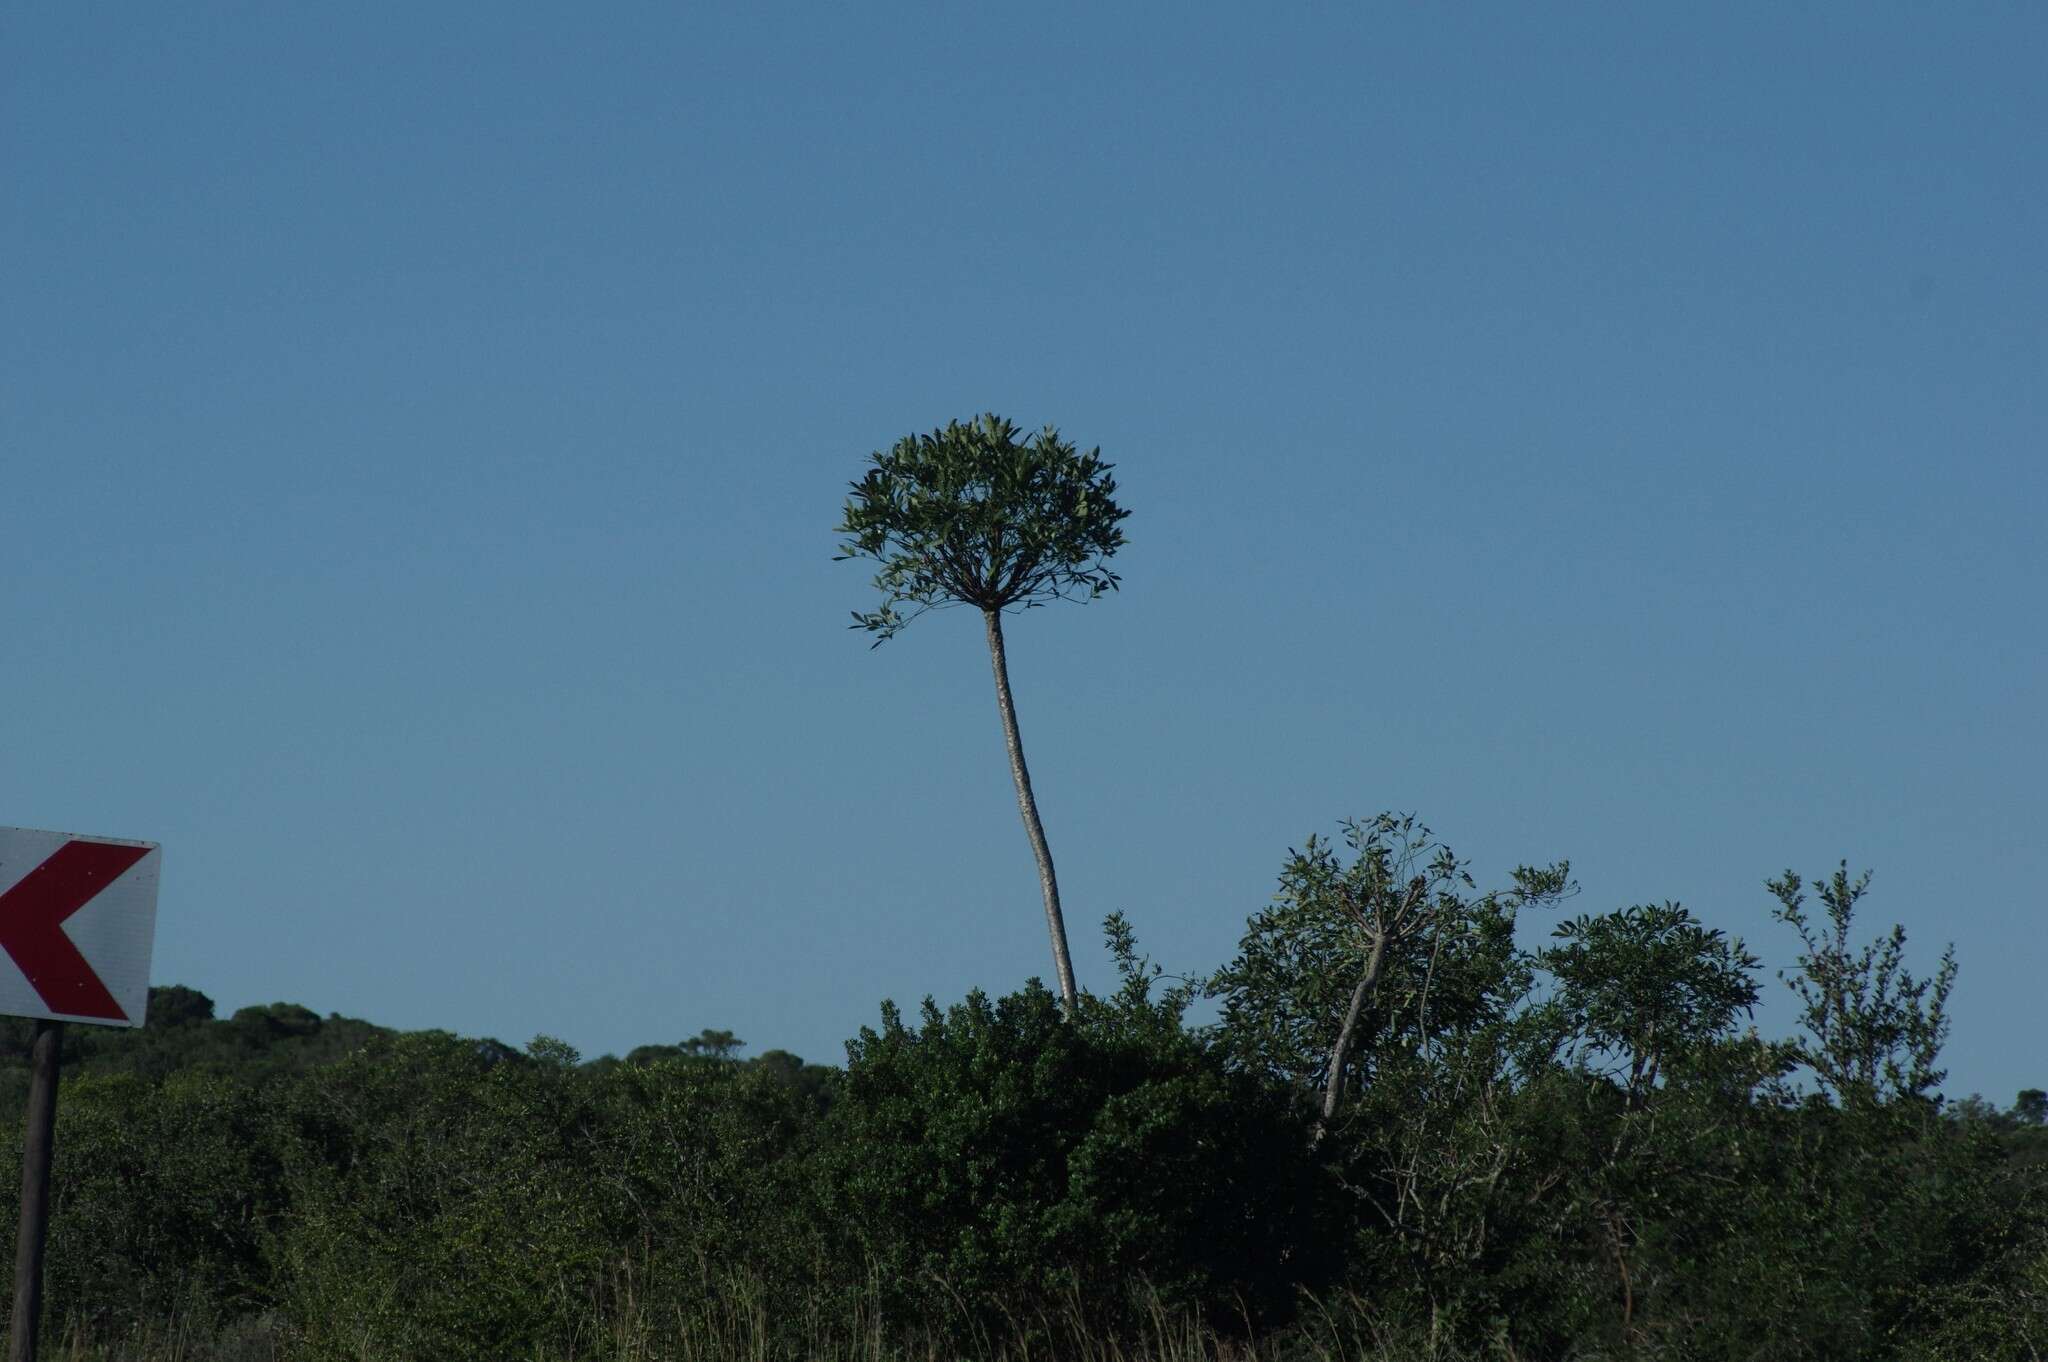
[(1611, 433)]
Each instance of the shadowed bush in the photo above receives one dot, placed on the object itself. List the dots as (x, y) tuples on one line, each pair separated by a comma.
[(1025, 1161)]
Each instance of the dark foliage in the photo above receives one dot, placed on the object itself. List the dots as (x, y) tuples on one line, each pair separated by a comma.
[(999, 1151), (1574, 1152)]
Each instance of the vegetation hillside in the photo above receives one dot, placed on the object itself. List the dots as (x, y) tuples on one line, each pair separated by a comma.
[(1408, 1136)]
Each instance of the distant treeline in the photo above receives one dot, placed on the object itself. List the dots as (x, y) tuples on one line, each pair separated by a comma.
[(1407, 1136), (262, 1043)]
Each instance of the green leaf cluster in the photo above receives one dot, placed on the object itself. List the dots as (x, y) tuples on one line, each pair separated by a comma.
[(978, 513)]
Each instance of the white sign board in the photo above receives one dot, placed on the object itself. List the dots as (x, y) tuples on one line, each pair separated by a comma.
[(77, 922)]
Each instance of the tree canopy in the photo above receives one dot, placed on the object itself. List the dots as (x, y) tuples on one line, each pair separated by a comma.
[(977, 513)]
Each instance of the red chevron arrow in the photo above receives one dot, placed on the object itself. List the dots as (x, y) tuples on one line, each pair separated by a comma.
[(32, 917)]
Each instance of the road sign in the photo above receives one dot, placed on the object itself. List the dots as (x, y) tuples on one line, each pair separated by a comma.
[(77, 921)]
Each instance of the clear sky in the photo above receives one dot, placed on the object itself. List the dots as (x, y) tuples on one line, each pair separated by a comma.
[(1611, 432)]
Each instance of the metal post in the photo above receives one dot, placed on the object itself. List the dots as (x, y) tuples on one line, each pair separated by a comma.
[(37, 1140)]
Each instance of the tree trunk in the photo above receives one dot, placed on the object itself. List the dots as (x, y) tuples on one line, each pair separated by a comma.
[(1333, 1084), (1027, 805)]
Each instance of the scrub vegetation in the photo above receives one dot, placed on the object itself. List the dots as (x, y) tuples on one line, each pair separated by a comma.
[(1406, 1136)]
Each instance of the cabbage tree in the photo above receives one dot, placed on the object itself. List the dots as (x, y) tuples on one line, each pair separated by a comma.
[(979, 514)]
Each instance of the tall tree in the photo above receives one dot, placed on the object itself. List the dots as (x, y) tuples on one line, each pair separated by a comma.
[(1648, 984), (1876, 1031), (979, 514), (1380, 955)]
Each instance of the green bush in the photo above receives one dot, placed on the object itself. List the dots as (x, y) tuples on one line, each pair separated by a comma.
[(1029, 1163), (163, 1197), (449, 1202)]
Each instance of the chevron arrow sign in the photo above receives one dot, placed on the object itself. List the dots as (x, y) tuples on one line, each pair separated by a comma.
[(77, 922)]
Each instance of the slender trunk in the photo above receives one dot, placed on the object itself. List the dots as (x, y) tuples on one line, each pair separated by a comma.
[(1628, 1290), (1028, 807), (1368, 984)]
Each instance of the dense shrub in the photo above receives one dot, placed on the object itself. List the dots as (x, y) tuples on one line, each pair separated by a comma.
[(1008, 1157), (163, 1198), (452, 1203)]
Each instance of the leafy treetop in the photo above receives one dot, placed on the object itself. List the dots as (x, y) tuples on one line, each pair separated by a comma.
[(978, 514)]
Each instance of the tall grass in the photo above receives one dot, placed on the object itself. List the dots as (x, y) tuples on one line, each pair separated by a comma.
[(740, 1318)]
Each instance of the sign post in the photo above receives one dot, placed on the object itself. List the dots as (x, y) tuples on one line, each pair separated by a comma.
[(39, 1134), (77, 923)]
